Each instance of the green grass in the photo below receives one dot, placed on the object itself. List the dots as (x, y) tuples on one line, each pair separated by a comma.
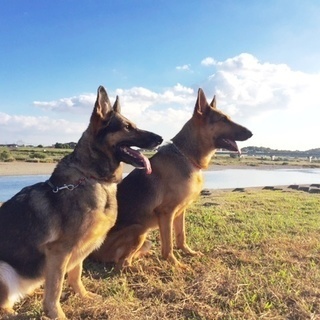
[(222, 160), (43, 154), (261, 261), (33, 154)]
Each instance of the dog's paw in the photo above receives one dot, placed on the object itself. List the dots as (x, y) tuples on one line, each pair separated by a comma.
[(187, 250), (54, 312), (182, 266), (92, 296), (176, 263), (196, 253), (124, 265)]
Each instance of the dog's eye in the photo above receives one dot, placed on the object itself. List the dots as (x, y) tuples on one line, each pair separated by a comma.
[(128, 126)]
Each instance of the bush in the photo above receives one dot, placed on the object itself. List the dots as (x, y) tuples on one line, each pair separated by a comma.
[(20, 158), (37, 155), (5, 155)]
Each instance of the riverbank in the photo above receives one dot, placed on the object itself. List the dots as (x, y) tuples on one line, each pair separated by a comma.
[(18, 168)]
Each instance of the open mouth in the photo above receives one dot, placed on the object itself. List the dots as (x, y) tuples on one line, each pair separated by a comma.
[(228, 144), (134, 157)]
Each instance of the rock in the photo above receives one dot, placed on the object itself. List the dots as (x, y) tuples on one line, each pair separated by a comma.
[(238, 190), (306, 189), (314, 190), (268, 188), (294, 186), (206, 192)]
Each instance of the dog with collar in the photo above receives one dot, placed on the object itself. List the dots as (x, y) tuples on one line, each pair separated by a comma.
[(48, 229), (159, 200)]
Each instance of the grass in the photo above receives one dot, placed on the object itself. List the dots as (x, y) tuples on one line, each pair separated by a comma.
[(222, 160), (33, 154), (40, 154), (261, 261)]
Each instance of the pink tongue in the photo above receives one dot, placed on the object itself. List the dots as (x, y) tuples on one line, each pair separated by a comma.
[(233, 144), (146, 163), (236, 146), (141, 157)]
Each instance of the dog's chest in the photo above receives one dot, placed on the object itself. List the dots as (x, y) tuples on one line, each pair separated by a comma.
[(195, 183), (96, 224), (181, 193), (192, 188)]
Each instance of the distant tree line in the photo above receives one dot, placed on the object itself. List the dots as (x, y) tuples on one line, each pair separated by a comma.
[(252, 150), (69, 145)]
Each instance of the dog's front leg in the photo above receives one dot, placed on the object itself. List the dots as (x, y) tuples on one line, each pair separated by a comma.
[(180, 232), (55, 269), (74, 280), (165, 221)]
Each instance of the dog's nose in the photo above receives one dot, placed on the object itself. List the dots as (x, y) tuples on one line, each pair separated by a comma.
[(244, 134), (160, 140), (156, 139)]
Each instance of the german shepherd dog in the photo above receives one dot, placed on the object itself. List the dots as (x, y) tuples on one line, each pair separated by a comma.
[(159, 200), (48, 229)]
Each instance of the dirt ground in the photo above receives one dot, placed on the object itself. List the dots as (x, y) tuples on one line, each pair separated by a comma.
[(18, 168)]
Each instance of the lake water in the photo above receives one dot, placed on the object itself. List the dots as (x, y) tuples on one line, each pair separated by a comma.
[(217, 179), (243, 178)]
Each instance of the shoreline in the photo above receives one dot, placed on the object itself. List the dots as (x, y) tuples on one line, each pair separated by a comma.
[(20, 168)]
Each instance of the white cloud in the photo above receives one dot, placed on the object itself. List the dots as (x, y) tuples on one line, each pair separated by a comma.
[(209, 61), (248, 87), (166, 122), (162, 112), (134, 101), (76, 104), (180, 88), (137, 100), (185, 67), (280, 106), (38, 130)]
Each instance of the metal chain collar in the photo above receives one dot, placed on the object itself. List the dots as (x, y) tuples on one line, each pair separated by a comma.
[(70, 187)]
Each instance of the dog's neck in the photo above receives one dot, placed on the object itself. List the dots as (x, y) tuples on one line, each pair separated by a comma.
[(195, 164), (81, 160), (189, 143)]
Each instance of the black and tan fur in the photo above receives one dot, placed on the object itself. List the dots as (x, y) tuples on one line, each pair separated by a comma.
[(159, 200), (47, 229)]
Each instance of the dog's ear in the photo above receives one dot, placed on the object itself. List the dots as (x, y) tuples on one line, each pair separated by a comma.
[(117, 106), (102, 106), (213, 103), (102, 109), (201, 103)]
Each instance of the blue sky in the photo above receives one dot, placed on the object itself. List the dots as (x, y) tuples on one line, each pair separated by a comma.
[(260, 58)]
